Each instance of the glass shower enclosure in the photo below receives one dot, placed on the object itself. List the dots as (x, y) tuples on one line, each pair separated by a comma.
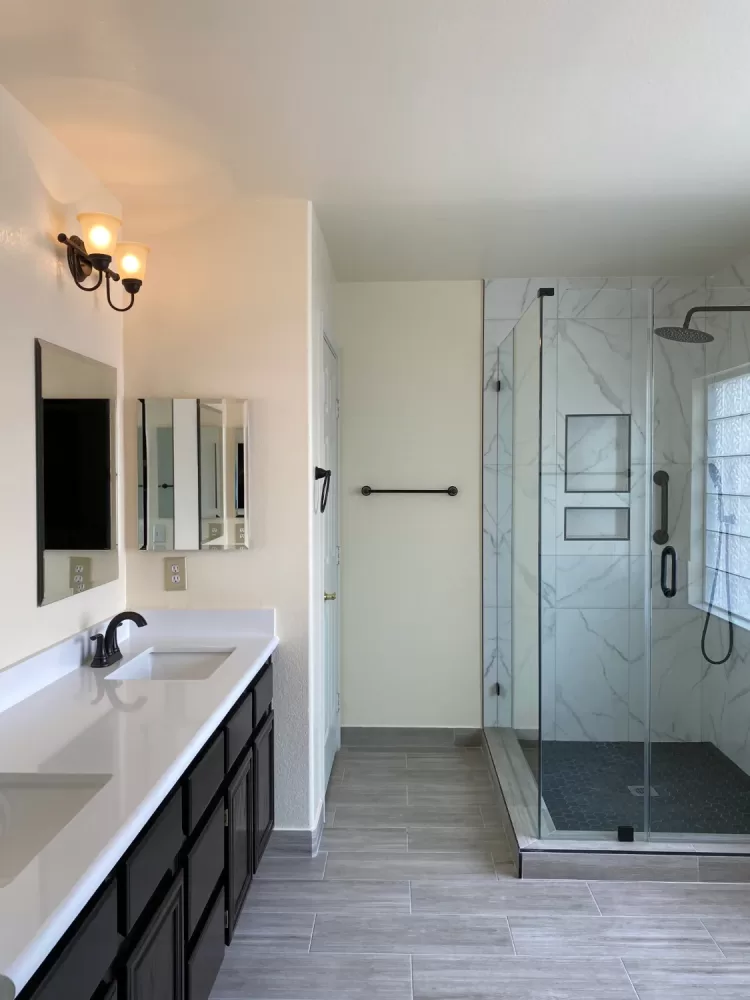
[(617, 561)]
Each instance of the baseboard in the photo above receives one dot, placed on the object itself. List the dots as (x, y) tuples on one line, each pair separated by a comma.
[(302, 843), (408, 738)]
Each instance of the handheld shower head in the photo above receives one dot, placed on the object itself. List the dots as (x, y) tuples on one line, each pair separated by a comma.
[(713, 472)]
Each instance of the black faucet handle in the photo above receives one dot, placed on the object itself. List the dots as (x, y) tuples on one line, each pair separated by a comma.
[(99, 659)]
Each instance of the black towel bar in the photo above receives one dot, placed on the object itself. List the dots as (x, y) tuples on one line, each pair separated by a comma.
[(452, 491)]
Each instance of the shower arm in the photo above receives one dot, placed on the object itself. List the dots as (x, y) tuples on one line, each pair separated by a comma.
[(706, 309)]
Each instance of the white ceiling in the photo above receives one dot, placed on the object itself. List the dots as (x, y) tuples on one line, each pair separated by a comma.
[(437, 138)]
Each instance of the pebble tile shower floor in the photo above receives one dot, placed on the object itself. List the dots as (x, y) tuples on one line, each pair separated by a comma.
[(590, 786), (413, 897)]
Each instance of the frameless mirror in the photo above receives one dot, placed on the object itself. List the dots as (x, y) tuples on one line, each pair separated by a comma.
[(76, 401), (192, 471)]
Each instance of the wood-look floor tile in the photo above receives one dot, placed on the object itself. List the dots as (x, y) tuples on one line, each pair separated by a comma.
[(417, 934), (359, 794), (274, 933), (246, 975), (335, 896), (507, 896), (731, 935), (474, 978), (387, 865), (459, 839), (670, 898), (287, 866), (685, 979), (335, 839), (452, 798), (375, 815), (576, 937)]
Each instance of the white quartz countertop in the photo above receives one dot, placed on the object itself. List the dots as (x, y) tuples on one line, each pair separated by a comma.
[(144, 734)]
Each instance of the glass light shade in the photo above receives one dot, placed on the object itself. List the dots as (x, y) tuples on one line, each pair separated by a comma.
[(130, 260), (99, 231)]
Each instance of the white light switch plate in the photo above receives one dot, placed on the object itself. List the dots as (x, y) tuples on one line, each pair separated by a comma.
[(175, 573)]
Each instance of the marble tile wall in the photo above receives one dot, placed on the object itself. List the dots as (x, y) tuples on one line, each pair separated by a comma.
[(593, 618)]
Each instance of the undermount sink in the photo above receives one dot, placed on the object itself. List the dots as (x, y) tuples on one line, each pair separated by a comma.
[(163, 664), (34, 808)]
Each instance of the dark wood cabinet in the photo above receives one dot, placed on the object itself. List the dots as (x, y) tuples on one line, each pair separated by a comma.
[(240, 829), (87, 955), (208, 953), (157, 928), (263, 787), (155, 969)]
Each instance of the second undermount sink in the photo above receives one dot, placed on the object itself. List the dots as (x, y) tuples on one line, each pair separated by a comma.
[(170, 664), (34, 808)]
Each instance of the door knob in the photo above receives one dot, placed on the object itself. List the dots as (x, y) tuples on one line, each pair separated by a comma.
[(329, 597)]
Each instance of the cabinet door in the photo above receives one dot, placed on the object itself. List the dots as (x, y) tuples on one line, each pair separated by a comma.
[(239, 839), (264, 789), (156, 968)]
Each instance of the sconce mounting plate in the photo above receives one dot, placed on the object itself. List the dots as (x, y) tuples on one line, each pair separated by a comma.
[(79, 268)]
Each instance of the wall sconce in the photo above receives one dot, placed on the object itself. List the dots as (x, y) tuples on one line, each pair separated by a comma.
[(100, 234)]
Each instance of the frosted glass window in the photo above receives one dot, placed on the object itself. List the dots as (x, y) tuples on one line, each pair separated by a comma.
[(727, 527)]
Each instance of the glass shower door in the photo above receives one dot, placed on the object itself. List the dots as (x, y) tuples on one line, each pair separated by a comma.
[(699, 691)]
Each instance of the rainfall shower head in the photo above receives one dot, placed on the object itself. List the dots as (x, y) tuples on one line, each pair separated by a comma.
[(683, 334)]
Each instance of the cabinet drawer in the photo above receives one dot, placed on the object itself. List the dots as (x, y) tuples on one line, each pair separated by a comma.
[(84, 962), (263, 695), (239, 729), (149, 862), (205, 864), (208, 954), (204, 782)]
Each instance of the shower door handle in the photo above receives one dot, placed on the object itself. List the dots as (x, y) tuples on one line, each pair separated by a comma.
[(661, 535), (668, 554)]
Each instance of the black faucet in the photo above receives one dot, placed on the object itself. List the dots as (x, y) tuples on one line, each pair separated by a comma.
[(107, 650)]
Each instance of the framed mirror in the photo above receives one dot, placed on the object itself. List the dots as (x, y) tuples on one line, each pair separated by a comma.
[(76, 447), (192, 474)]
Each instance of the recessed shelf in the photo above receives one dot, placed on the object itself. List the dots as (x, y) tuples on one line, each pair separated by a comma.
[(597, 453), (597, 524)]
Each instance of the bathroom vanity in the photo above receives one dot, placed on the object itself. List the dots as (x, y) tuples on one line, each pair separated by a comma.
[(148, 793)]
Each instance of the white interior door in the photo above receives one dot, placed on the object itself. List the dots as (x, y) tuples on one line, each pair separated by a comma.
[(331, 560)]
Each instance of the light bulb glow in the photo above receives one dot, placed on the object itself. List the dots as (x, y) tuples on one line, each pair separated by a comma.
[(99, 231), (100, 237), (130, 263)]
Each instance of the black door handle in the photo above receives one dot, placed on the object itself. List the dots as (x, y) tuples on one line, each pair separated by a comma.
[(325, 475), (661, 535), (668, 554)]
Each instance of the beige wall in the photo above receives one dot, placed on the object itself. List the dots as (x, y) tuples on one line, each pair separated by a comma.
[(410, 565), (226, 313), (41, 188)]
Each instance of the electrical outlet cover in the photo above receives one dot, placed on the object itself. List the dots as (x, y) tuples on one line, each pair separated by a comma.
[(215, 530), (175, 573), (79, 573), (239, 533)]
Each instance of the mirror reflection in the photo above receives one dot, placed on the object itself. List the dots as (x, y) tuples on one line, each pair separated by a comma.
[(192, 470), (76, 447)]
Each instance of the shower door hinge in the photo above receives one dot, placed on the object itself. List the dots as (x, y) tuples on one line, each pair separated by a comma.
[(498, 385)]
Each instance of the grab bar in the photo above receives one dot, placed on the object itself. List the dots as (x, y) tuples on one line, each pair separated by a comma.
[(452, 491)]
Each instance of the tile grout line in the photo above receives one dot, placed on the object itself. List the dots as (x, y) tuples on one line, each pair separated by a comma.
[(632, 984), (410, 909), (512, 939), (312, 931), (411, 972), (700, 920), (595, 902)]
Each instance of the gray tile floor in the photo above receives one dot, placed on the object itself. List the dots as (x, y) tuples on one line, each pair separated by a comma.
[(413, 897)]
